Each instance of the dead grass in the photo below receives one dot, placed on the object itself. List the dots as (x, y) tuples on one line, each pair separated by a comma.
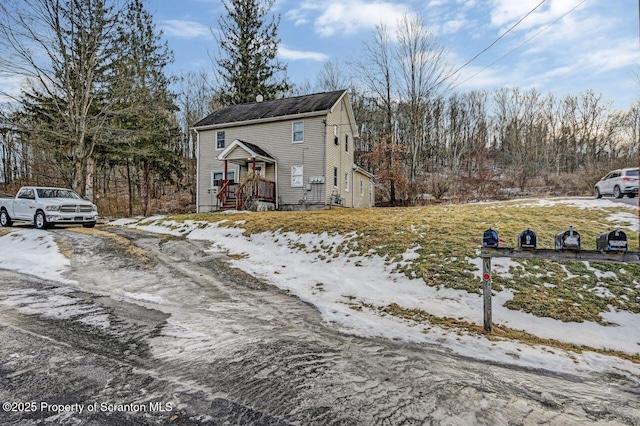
[(117, 243), (498, 332), (445, 236)]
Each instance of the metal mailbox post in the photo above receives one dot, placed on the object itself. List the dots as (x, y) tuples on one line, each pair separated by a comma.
[(583, 255)]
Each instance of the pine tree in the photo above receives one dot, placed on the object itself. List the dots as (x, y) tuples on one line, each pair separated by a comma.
[(145, 123), (248, 65), (65, 84)]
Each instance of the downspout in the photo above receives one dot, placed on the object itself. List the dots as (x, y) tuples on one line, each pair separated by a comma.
[(324, 160), (197, 171)]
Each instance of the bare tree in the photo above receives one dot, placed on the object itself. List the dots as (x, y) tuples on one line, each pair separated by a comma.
[(63, 50), (423, 68), (332, 77), (377, 70), (197, 97)]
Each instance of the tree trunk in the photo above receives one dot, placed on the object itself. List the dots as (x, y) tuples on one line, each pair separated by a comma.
[(129, 188), (90, 169), (147, 189)]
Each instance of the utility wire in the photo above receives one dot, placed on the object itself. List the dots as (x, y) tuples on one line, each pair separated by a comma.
[(522, 44), (496, 40)]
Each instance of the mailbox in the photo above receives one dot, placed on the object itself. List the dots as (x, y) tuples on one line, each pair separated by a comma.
[(527, 240), (490, 238), (612, 241), (568, 240)]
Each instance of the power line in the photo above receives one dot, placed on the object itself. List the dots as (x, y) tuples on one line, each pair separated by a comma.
[(522, 44), (498, 39)]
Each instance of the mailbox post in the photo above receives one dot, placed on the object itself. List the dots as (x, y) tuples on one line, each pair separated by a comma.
[(486, 292), (610, 249)]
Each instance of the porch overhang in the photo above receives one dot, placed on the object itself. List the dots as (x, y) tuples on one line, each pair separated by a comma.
[(253, 153)]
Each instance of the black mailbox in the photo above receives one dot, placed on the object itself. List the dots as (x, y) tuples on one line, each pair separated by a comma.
[(612, 241), (527, 240), (490, 238), (568, 240)]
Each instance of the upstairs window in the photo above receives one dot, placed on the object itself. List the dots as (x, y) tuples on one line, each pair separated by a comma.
[(220, 140), (298, 132)]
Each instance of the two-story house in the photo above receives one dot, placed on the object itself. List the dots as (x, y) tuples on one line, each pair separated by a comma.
[(292, 153)]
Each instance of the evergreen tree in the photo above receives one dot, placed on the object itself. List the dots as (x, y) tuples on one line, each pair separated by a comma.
[(66, 84), (248, 65), (145, 128)]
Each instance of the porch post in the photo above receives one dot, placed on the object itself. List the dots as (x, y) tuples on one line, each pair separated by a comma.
[(255, 182)]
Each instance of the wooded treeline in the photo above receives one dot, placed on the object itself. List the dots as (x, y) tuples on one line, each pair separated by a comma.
[(99, 112), (482, 145)]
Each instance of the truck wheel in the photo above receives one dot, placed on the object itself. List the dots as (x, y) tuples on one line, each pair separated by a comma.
[(89, 225), (632, 195), (5, 220), (616, 192), (40, 220)]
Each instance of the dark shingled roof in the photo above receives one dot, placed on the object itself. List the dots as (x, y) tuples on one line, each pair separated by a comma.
[(272, 109), (256, 149)]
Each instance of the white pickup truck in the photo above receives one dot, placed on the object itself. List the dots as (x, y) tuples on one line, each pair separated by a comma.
[(47, 207)]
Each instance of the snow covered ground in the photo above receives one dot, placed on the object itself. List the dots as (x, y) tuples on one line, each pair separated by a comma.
[(336, 286)]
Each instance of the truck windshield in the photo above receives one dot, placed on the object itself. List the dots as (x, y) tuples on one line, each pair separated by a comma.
[(57, 193)]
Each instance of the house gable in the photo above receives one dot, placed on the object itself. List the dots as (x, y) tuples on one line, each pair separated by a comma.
[(239, 149), (302, 167)]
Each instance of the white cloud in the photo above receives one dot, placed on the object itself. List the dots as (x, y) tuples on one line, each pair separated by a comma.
[(10, 87), (185, 29), (294, 55), (620, 56), (452, 26), (347, 16)]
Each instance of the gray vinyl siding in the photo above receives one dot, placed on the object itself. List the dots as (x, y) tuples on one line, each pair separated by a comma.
[(317, 154), (208, 163), (276, 139), (237, 154), (361, 199), (336, 156)]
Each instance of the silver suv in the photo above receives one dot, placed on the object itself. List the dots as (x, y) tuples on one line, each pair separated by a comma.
[(618, 183)]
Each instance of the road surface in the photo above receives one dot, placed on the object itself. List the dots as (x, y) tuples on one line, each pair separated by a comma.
[(156, 330)]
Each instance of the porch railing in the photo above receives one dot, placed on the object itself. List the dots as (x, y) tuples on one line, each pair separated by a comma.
[(255, 188), (227, 190)]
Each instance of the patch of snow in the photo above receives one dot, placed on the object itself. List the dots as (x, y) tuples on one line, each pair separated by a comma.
[(345, 285), (34, 252)]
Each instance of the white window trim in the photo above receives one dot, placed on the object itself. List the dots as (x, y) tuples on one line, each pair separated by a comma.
[(225, 140), (361, 188), (346, 181), (293, 132), (229, 173), (293, 175)]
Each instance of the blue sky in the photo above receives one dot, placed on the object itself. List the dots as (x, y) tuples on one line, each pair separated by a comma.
[(563, 47), (596, 46)]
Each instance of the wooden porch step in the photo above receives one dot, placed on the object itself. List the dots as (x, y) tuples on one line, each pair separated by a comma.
[(230, 204)]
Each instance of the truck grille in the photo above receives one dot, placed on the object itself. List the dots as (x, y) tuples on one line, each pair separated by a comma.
[(73, 208)]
